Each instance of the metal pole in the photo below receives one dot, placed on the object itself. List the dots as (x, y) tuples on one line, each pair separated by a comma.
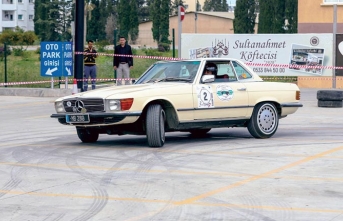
[(179, 32), (196, 16), (52, 82), (114, 45), (334, 45), (173, 36), (5, 57), (79, 44)]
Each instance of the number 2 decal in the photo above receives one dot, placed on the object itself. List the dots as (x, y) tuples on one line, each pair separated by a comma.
[(205, 96)]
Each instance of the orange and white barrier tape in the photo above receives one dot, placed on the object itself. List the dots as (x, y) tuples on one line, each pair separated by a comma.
[(291, 66), (69, 80)]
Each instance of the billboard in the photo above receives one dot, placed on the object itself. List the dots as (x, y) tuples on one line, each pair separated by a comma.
[(339, 54), (272, 54)]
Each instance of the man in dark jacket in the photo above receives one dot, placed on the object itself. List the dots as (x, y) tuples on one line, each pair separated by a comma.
[(90, 66), (123, 64)]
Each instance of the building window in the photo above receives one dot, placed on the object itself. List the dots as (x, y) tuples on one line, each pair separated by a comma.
[(30, 17), (30, 1), (20, 17), (20, 1)]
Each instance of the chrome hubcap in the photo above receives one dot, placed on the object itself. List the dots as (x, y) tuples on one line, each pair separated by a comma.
[(267, 118)]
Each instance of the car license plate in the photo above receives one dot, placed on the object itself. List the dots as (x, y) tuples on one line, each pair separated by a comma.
[(77, 118)]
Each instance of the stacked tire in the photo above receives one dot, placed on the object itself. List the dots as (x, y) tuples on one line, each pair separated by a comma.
[(330, 98)]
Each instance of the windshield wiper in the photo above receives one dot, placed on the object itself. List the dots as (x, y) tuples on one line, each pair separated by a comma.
[(173, 79)]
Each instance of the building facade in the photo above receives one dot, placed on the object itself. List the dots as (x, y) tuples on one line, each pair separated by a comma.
[(17, 13), (316, 16), (201, 23), (191, 4)]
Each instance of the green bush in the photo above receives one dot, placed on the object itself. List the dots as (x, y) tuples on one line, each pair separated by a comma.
[(134, 51), (101, 45), (37, 51), (151, 51), (25, 56), (18, 51)]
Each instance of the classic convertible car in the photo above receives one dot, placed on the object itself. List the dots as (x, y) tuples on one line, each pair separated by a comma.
[(188, 95)]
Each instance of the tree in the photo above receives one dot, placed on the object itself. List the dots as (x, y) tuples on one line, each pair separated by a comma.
[(111, 25), (160, 23), (96, 21), (216, 6), (225, 6), (143, 10), (291, 15), (128, 19), (245, 17), (272, 16), (198, 6), (124, 18), (175, 6), (111, 21), (134, 23), (41, 24), (52, 19)]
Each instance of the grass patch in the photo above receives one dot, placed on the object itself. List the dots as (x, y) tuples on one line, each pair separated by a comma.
[(26, 68)]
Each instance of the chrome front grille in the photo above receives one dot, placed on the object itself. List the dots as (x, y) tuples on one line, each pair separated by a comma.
[(91, 105)]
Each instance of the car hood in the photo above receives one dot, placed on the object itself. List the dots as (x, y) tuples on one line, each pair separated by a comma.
[(128, 90)]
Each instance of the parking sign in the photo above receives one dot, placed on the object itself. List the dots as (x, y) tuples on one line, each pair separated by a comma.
[(56, 59)]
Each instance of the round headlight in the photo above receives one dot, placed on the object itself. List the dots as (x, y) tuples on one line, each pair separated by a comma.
[(114, 104), (59, 107)]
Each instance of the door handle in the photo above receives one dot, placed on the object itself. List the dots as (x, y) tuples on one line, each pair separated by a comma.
[(241, 89)]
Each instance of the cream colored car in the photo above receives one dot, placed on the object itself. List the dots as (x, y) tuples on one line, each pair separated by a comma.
[(189, 95)]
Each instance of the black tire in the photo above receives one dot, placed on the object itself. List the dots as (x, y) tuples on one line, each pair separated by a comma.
[(87, 135), (322, 103), (330, 95), (264, 121), (199, 132), (155, 125)]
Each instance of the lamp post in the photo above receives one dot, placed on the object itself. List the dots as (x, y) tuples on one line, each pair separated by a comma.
[(195, 16)]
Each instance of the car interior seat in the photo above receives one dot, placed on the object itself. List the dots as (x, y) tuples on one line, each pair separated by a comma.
[(222, 78)]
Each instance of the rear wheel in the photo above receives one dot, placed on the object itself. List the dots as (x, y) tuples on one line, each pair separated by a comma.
[(155, 125), (87, 135), (199, 132), (264, 121)]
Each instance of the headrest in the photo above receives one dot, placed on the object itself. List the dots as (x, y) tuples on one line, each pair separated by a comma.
[(211, 68)]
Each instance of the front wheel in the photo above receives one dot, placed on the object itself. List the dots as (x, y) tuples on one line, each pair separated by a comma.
[(155, 125), (87, 135), (264, 121)]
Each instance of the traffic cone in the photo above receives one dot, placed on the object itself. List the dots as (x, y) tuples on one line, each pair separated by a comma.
[(74, 91)]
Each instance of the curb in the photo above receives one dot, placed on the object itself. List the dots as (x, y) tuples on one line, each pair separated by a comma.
[(34, 92), (42, 92)]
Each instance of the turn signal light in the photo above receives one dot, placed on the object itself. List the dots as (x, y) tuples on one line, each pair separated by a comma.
[(126, 103), (297, 95)]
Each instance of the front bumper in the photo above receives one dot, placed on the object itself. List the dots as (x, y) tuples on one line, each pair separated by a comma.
[(100, 118)]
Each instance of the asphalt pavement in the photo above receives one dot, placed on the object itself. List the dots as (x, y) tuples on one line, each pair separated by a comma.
[(46, 173)]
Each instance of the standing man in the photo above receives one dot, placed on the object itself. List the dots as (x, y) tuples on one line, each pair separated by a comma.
[(123, 64), (90, 66)]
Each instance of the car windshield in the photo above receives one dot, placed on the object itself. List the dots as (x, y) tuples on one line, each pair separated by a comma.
[(180, 71)]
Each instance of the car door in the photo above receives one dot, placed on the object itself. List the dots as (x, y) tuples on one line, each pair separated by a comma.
[(225, 98)]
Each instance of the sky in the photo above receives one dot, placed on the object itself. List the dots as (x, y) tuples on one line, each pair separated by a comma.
[(231, 2)]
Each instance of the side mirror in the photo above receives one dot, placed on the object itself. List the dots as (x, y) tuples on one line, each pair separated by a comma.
[(207, 78)]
